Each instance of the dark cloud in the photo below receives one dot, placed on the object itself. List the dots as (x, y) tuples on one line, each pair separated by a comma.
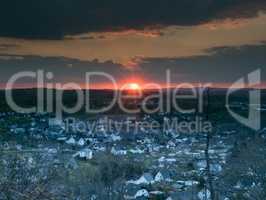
[(64, 69), (53, 19), (222, 65)]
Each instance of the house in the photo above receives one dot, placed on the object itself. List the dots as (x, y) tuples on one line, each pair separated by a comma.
[(71, 141), (162, 176), (84, 154), (145, 179), (142, 193)]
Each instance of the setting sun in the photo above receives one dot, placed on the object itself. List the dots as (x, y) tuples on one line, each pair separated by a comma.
[(134, 86)]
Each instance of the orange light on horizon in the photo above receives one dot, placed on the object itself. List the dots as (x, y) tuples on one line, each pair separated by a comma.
[(134, 86)]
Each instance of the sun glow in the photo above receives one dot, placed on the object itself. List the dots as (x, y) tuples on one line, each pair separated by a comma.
[(134, 86)]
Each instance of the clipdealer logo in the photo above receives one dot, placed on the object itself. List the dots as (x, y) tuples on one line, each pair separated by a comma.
[(253, 120)]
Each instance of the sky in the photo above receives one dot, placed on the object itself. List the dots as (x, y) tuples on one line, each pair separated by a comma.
[(198, 41)]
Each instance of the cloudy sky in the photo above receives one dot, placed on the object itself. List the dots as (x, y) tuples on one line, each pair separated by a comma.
[(199, 41)]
